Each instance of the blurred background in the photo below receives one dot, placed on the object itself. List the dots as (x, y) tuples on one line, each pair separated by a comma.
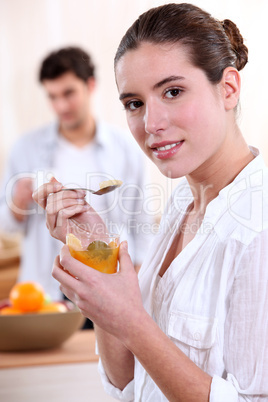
[(32, 28)]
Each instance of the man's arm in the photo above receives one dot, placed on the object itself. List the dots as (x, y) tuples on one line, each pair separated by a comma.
[(21, 198), (15, 193)]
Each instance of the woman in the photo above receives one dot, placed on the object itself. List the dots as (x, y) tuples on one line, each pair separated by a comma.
[(195, 327)]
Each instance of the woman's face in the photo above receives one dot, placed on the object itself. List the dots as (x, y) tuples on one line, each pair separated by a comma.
[(175, 114)]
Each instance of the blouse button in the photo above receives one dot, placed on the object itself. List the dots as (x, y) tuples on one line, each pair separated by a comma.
[(197, 336)]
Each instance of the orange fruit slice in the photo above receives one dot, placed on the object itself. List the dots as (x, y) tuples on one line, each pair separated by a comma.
[(73, 242)]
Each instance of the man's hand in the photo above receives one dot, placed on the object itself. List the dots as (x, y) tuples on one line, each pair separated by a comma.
[(22, 198)]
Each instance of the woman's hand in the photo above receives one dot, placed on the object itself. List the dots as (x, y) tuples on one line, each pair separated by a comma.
[(62, 205), (111, 301)]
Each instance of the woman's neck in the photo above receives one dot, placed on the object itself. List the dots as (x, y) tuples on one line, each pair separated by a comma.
[(215, 174)]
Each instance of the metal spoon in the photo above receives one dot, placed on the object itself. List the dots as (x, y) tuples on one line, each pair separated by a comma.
[(101, 191)]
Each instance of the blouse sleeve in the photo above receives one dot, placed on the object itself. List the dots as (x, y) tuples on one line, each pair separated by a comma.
[(126, 395), (246, 330)]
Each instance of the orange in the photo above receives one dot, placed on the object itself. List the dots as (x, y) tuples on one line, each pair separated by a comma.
[(73, 242), (54, 307), (9, 310), (27, 296)]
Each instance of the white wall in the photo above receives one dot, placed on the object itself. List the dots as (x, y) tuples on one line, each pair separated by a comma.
[(32, 28)]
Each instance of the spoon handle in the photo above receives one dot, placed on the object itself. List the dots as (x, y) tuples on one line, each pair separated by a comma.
[(78, 188), (100, 191)]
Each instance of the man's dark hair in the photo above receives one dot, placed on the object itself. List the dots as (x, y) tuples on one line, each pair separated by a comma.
[(68, 59)]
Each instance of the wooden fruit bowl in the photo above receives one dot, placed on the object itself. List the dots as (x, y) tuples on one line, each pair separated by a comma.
[(33, 331)]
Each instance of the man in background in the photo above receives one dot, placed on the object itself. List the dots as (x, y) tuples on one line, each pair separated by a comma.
[(79, 151)]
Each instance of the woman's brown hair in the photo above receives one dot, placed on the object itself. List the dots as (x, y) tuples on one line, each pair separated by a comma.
[(213, 45)]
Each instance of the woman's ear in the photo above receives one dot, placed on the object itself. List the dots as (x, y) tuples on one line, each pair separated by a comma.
[(231, 83)]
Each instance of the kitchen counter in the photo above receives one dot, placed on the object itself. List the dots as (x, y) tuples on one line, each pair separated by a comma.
[(80, 348), (66, 374)]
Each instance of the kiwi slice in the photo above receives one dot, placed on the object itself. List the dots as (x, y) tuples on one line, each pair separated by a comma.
[(97, 244), (99, 249)]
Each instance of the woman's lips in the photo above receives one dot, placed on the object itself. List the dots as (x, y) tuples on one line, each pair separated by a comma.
[(165, 151)]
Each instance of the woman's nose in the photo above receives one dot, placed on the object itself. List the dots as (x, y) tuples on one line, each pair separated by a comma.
[(155, 118)]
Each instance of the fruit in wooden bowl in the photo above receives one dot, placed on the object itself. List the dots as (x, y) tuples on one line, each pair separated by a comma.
[(39, 324)]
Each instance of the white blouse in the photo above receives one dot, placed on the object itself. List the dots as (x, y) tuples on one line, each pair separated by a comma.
[(212, 302)]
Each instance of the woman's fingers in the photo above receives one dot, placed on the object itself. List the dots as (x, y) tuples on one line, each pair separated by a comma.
[(61, 273), (53, 180), (125, 262), (81, 271), (56, 205), (68, 265), (53, 207), (69, 294), (61, 206), (41, 193), (56, 223), (108, 300)]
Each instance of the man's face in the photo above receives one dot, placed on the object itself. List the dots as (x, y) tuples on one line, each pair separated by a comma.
[(70, 99)]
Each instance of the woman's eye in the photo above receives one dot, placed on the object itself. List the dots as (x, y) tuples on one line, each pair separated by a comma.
[(133, 105), (172, 93)]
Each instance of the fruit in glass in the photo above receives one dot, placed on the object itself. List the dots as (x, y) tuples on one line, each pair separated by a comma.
[(96, 250)]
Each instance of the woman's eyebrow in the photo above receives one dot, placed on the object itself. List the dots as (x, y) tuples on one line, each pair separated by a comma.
[(127, 95), (167, 80), (156, 86)]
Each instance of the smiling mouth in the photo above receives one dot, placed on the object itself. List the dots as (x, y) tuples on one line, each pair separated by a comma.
[(167, 147)]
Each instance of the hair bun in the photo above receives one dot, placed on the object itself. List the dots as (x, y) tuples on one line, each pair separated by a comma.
[(237, 42)]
